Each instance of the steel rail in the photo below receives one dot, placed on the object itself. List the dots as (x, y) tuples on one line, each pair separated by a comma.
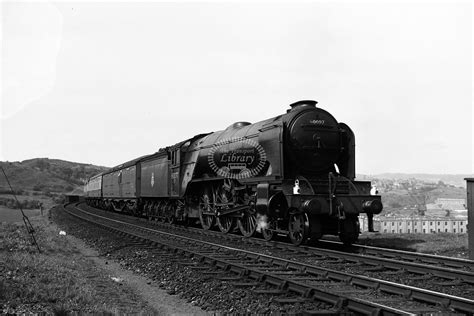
[(407, 255), (413, 267), (409, 292)]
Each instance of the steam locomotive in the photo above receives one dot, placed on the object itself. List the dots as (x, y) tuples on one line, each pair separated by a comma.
[(291, 175)]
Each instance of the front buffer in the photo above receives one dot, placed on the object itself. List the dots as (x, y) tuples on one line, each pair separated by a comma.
[(307, 215), (322, 215)]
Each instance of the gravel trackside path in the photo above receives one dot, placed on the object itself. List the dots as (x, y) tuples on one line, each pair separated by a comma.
[(158, 299)]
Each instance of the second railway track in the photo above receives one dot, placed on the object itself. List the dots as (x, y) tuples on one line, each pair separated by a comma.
[(287, 270)]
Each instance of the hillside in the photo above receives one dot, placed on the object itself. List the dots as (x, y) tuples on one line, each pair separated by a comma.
[(394, 200), (451, 179), (47, 175), (407, 193)]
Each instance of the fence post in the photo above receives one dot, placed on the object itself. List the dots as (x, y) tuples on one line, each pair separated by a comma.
[(470, 215)]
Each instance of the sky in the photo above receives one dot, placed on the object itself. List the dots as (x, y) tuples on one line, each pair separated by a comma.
[(106, 82)]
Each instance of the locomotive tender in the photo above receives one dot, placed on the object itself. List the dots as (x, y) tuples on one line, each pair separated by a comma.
[(288, 175)]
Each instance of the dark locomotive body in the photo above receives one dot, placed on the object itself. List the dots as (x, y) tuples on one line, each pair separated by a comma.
[(292, 174)]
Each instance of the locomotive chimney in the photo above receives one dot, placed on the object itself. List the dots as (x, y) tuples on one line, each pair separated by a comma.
[(303, 103)]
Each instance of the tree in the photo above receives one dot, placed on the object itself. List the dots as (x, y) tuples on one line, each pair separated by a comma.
[(42, 164), (395, 204), (68, 173), (10, 203), (38, 187)]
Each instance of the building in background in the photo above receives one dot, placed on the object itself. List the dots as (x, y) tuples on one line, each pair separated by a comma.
[(416, 225), (443, 216)]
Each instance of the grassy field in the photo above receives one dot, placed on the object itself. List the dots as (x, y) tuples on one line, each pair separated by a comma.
[(8, 215), (47, 201), (57, 280), (443, 244)]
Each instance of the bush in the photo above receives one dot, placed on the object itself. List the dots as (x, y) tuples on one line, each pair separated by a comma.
[(38, 187), (395, 204), (25, 204), (5, 190), (68, 188), (60, 199)]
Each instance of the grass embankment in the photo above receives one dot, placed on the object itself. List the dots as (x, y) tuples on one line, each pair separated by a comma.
[(9, 215), (59, 279), (442, 244)]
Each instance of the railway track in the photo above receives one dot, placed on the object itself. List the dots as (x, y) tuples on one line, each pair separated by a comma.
[(443, 274), (273, 273), (456, 263), (399, 255)]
